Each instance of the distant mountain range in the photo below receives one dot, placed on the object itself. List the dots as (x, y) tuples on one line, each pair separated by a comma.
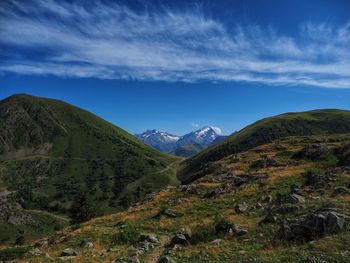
[(186, 145)]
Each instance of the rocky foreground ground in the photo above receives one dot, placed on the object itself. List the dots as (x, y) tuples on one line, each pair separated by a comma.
[(287, 201)]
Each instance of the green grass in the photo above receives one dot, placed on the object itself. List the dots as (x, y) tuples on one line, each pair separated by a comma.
[(317, 122), (83, 151)]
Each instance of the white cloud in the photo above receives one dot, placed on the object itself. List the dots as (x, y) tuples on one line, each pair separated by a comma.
[(111, 41), (195, 125)]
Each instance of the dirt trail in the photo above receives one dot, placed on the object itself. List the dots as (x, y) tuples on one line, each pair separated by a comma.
[(158, 250)]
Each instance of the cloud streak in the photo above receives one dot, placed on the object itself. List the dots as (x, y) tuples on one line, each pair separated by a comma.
[(112, 41)]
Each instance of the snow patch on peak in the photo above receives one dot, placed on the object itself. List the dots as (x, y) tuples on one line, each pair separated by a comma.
[(217, 130)]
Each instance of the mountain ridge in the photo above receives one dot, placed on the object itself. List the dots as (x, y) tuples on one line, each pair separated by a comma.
[(49, 149), (185, 145), (315, 122)]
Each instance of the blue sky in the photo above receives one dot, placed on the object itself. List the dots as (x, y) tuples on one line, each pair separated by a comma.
[(179, 65)]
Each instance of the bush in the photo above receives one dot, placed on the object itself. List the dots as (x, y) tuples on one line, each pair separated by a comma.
[(128, 233), (222, 226), (314, 177), (13, 253), (203, 233)]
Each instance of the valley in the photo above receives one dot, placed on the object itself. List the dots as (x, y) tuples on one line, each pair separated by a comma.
[(76, 188)]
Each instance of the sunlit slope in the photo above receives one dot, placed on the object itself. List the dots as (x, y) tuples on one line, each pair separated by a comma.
[(317, 122)]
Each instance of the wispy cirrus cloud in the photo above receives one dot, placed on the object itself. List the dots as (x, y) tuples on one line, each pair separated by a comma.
[(112, 41)]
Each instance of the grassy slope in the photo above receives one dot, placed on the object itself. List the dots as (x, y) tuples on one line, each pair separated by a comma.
[(188, 150), (50, 149), (257, 246), (266, 130), (43, 224)]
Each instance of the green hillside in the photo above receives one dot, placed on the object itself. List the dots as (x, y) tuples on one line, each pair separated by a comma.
[(49, 150), (317, 122), (188, 150)]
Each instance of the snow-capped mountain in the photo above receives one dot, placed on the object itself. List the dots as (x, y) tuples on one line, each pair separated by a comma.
[(161, 141), (204, 136), (167, 142)]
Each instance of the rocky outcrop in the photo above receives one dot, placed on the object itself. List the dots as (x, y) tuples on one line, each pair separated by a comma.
[(313, 226), (314, 152)]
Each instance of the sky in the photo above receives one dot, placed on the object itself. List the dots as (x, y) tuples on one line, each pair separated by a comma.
[(179, 65)]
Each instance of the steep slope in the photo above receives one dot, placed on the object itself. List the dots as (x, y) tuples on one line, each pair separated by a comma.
[(264, 131), (50, 149), (290, 209), (18, 225)]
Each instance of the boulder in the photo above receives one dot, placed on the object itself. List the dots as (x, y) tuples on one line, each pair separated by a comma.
[(86, 244), (312, 226), (295, 199), (314, 152), (216, 241), (178, 239), (186, 232), (223, 188), (149, 238), (68, 252), (240, 208), (239, 231)]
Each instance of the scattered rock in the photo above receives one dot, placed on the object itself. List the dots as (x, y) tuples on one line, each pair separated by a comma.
[(189, 188), (216, 241), (168, 213), (259, 206), (149, 238), (239, 231), (186, 232), (42, 244), (340, 190), (178, 239), (263, 162), (223, 188), (286, 209), (86, 244), (267, 199), (314, 152), (68, 252), (240, 208), (295, 198)]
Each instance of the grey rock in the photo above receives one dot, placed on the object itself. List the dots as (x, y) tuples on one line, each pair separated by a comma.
[(178, 239), (149, 237), (186, 232), (68, 252), (314, 152), (216, 241), (240, 208), (295, 198), (313, 226)]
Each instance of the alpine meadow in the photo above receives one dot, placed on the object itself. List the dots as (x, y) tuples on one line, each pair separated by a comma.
[(175, 131)]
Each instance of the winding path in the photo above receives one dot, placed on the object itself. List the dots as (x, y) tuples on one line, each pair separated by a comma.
[(158, 251)]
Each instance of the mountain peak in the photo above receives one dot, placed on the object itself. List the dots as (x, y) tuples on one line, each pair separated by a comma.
[(167, 142)]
